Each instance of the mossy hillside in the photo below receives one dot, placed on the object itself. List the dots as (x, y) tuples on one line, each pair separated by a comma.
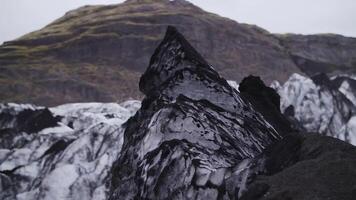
[(104, 49)]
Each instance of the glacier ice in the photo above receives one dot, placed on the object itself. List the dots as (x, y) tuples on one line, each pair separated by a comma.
[(70, 160)]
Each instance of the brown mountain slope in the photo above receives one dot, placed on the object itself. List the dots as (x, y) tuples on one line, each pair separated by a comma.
[(97, 53), (327, 53)]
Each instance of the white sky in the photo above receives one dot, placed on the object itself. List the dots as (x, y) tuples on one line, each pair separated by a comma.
[(18, 17)]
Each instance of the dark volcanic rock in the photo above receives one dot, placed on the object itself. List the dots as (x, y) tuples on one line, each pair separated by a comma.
[(266, 101), (191, 135), (195, 137), (324, 168)]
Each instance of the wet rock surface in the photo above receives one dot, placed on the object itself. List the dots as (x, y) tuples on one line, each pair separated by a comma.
[(196, 137), (192, 133), (266, 101)]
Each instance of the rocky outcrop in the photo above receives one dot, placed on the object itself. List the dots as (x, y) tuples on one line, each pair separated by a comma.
[(196, 137), (266, 101), (193, 127)]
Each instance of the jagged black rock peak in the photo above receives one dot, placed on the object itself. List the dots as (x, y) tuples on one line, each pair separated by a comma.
[(169, 58), (193, 133)]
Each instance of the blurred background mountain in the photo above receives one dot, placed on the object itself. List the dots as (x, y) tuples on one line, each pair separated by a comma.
[(98, 53)]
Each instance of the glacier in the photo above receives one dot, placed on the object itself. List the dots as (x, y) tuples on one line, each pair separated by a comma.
[(69, 160), (326, 107), (321, 104)]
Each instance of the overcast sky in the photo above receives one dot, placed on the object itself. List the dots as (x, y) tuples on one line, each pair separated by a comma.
[(18, 17)]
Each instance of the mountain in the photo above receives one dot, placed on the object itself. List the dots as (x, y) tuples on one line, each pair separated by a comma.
[(323, 53), (193, 137), (321, 104), (98, 53)]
